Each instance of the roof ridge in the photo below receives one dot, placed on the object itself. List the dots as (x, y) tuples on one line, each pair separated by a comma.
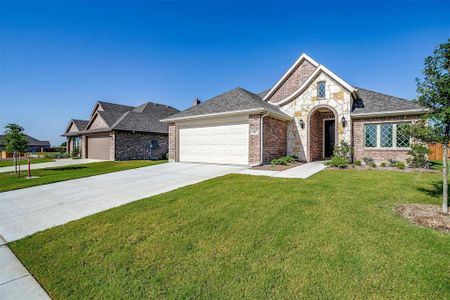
[(120, 119), (101, 101)]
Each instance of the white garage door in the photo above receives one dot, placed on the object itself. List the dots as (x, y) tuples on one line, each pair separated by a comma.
[(224, 142)]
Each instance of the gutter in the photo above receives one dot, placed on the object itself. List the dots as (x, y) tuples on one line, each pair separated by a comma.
[(390, 113), (229, 113)]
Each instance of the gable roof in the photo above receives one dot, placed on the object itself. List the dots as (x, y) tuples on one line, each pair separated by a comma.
[(369, 102), (31, 141), (145, 117), (234, 101), (320, 69), (142, 118), (80, 124), (286, 75)]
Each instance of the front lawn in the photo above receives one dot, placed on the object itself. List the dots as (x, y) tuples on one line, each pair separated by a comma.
[(334, 235), (10, 181), (10, 162)]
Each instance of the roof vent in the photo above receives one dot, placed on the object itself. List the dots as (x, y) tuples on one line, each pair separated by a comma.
[(196, 101)]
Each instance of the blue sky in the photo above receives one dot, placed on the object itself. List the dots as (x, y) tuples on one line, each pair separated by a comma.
[(58, 58)]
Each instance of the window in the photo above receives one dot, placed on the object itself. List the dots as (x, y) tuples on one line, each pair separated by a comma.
[(370, 136), (386, 135), (402, 138), (321, 90)]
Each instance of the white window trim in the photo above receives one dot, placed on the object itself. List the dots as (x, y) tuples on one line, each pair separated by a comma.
[(378, 130)]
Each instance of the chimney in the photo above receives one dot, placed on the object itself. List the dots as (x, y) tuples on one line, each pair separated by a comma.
[(196, 101)]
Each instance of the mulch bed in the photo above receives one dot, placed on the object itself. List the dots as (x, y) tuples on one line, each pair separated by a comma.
[(427, 215), (269, 167)]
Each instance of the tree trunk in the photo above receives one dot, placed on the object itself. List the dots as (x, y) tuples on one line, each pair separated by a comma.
[(15, 162), (445, 181), (19, 165)]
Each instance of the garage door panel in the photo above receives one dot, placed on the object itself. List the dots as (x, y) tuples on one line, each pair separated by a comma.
[(226, 143), (98, 147)]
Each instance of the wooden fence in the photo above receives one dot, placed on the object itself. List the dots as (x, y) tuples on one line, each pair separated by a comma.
[(436, 151)]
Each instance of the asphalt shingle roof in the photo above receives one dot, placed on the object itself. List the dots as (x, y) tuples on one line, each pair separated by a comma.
[(142, 118), (234, 100), (145, 118), (81, 124), (374, 102), (30, 140)]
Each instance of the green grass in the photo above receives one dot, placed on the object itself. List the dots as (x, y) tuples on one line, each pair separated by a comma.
[(10, 181), (334, 235), (437, 164), (9, 162)]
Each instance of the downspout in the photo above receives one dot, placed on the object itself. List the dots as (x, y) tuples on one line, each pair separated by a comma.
[(261, 130)]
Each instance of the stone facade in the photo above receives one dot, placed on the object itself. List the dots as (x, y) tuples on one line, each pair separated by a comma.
[(136, 145), (293, 82), (172, 143), (336, 99), (254, 139), (274, 138), (379, 155)]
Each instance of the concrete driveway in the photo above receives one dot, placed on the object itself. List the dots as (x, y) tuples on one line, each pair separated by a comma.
[(26, 211)]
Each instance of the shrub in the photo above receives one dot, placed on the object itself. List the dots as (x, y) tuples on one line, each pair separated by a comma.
[(56, 155), (284, 160), (75, 152), (338, 162), (418, 156), (400, 165), (368, 160), (392, 162), (357, 162), (373, 164), (383, 165), (344, 151)]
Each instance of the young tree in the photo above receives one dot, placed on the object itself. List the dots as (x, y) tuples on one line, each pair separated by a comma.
[(434, 94), (15, 140)]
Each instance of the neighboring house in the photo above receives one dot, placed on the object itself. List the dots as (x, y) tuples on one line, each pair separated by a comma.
[(34, 145), (121, 132), (308, 111)]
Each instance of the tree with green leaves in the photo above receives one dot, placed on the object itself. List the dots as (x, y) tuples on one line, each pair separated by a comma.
[(434, 94), (15, 141)]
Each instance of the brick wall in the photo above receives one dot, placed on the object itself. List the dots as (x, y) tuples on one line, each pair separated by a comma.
[(254, 141), (172, 143), (316, 146), (293, 82), (378, 155), (130, 145), (274, 139)]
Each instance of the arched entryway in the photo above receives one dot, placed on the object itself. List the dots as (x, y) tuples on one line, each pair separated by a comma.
[(322, 132)]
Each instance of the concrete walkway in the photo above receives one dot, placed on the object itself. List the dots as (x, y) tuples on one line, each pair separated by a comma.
[(15, 281), (53, 164), (302, 171)]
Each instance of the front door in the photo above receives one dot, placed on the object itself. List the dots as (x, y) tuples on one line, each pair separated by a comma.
[(329, 138)]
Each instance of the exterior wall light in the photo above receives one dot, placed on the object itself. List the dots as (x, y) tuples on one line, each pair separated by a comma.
[(301, 123), (344, 122)]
